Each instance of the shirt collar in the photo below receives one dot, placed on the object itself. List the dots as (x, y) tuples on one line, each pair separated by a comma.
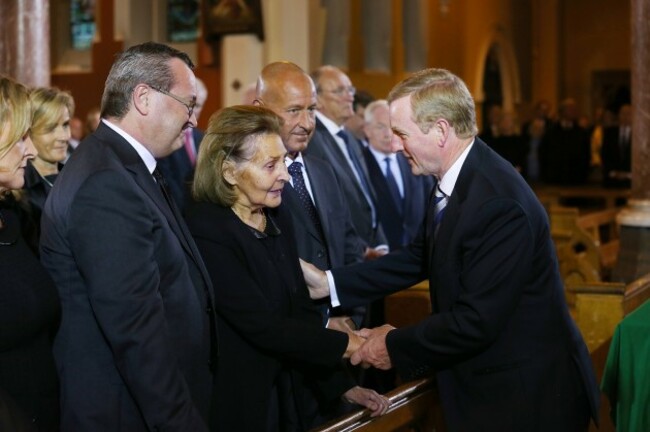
[(332, 127), (288, 161), (448, 181), (380, 156), (145, 154)]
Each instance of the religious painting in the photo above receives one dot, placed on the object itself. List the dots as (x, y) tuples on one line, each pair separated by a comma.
[(182, 20), (233, 16), (82, 23)]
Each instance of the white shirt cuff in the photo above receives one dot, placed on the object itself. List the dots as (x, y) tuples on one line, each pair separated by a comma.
[(334, 297)]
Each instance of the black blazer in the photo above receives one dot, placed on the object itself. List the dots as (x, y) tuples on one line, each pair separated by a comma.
[(267, 321), (29, 317), (507, 354), (322, 145), (179, 172), (134, 348), (400, 229), (35, 191), (341, 242)]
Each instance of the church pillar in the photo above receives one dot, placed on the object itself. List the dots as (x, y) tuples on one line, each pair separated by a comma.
[(634, 255), (24, 44)]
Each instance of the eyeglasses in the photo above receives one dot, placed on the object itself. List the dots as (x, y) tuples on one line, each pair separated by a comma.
[(340, 90), (190, 106)]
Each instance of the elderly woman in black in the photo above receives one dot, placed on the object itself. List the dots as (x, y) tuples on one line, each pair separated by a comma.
[(271, 340), (29, 305)]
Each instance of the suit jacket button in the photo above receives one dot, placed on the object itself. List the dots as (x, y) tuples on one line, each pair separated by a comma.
[(208, 310), (320, 254)]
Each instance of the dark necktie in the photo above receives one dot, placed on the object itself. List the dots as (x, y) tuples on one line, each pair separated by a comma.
[(295, 169), (365, 188), (439, 205), (164, 188), (392, 187)]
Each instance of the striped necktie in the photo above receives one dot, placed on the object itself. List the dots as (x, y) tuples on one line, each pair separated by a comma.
[(439, 205)]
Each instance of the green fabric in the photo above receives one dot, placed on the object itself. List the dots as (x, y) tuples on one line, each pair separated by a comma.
[(626, 380)]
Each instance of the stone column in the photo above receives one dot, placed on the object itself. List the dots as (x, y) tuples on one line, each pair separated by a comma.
[(634, 255), (25, 41)]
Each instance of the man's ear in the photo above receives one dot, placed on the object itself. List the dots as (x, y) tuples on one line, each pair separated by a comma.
[(441, 129), (141, 98), (228, 169)]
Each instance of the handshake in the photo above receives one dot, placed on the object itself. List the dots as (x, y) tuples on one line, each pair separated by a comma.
[(366, 347)]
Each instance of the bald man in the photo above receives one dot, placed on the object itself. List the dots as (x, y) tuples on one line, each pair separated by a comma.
[(324, 231)]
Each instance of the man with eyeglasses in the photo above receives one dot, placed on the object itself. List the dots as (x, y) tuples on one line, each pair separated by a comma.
[(332, 143), (137, 342), (178, 167)]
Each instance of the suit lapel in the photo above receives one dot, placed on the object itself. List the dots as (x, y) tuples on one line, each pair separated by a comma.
[(331, 147), (134, 164), (320, 192), (293, 202), (407, 181), (452, 212)]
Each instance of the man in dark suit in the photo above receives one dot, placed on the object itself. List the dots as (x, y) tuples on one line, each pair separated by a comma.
[(137, 339), (324, 233), (329, 239), (178, 167), (332, 143), (505, 350), (616, 152), (402, 196)]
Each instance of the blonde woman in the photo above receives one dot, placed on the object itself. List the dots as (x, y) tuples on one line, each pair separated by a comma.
[(29, 305), (50, 132)]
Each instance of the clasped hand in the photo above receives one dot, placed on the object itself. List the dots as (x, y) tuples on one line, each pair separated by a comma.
[(367, 347)]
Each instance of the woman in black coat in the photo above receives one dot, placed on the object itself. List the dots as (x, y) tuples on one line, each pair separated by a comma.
[(271, 340), (29, 304)]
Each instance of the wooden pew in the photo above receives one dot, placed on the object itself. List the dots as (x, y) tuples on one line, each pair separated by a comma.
[(603, 222), (414, 406), (600, 306), (587, 245)]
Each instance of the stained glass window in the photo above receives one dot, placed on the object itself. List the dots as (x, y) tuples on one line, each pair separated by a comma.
[(82, 23), (182, 20)]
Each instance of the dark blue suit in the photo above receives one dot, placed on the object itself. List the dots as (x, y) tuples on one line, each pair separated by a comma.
[(323, 146), (400, 228), (507, 354), (339, 242), (134, 347)]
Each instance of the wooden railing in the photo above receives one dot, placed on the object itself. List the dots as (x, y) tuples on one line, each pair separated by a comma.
[(414, 406)]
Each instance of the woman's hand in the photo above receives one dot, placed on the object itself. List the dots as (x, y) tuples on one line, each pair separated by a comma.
[(376, 403), (354, 343)]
